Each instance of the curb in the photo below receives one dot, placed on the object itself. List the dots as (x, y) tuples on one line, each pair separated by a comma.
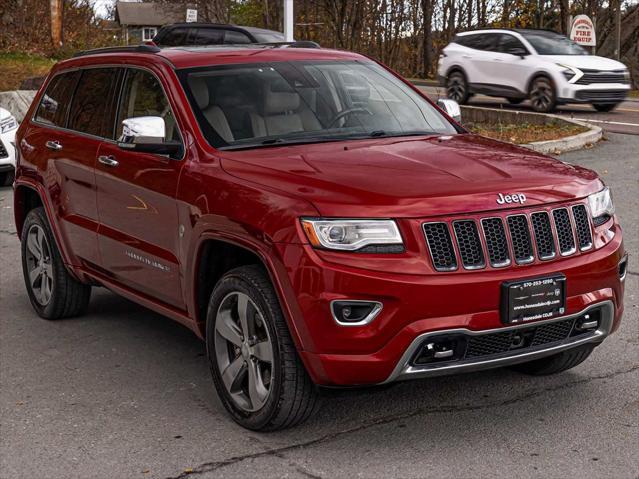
[(555, 147)]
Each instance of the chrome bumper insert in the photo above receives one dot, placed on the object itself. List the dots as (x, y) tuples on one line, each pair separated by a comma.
[(405, 370)]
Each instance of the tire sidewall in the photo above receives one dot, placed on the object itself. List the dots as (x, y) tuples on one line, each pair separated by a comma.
[(462, 76), (251, 420), (553, 103)]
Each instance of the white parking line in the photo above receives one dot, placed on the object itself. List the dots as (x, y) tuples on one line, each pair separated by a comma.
[(608, 122)]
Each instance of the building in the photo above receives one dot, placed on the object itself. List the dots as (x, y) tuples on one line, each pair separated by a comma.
[(140, 21)]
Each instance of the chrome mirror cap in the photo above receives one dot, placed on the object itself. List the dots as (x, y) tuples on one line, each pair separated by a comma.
[(143, 129), (451, 107)]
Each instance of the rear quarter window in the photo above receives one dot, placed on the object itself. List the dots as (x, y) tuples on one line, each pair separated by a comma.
[(54, 104)]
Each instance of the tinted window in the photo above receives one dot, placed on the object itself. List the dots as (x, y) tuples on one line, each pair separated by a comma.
[(483, 41), (548, 43), (508, 44), (175, 37), (143, 95), (269, 37), (231, 36), (206, 36), (92, 108), (55, 101)]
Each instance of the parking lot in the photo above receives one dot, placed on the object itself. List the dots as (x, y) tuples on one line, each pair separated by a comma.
[(124, 392)]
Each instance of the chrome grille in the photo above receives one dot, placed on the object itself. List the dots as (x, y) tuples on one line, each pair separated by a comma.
[(565, 237), (594, 76), (496, 242), (543, 235), (469, 244), (584, 235), (501, 240), (520, 237)]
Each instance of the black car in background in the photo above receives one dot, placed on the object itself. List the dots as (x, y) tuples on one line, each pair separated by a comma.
[(187, 34)]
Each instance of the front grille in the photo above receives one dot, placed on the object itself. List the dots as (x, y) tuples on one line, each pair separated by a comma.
[(594, 76), (565, 237), (584, 235), (3, 150), (469, 244), (520, 237), (440, 246), (543, 235), (601, 95), (500, 241)]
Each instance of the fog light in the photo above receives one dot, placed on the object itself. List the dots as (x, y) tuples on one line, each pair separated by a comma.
[(587, 323), (439, 349), (355, 312)]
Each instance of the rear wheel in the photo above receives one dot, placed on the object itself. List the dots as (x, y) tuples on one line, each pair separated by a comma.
[(542, 95), (457, 87), (556, 363), (53, 292), (604, 107), (256, 370), (6, 179)]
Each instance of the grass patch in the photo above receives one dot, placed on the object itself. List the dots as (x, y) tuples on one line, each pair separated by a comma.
[(525, 133), (15, 67)]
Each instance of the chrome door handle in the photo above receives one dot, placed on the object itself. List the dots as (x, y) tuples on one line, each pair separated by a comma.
[(53, 145), (108, 160)]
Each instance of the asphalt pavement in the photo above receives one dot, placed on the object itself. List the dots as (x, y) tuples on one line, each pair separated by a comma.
[(623, 119), (125, 393)]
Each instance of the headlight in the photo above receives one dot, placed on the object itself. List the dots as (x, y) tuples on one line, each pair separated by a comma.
[(571, 74), (601, 206), (351, 235), (626, 76), (8, 124)]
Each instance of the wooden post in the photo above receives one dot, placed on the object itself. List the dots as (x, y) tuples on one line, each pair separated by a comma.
[(56, 23)]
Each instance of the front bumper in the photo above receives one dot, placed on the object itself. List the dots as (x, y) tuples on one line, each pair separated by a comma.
[(418, 305), (7, 151), (594, 93)]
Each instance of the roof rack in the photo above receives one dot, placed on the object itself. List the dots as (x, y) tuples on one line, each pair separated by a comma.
[(298, 44), (131, 49)]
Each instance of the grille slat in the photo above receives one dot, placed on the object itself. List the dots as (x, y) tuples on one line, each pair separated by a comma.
[(543, 235), (565, 236), (593, 76), (496, 242), (520, 237), (584, 235), (441, 246), (469, 244)]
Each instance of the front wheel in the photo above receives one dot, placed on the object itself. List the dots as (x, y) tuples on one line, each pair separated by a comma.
[(604, 107), (255, 367), (53, 292), (542, 95), (557, 363)]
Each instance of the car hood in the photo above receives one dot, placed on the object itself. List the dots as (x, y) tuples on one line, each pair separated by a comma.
[(411, 177), (589, 62)]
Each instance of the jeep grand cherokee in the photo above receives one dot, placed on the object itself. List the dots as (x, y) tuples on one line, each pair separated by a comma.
[(311, 216)]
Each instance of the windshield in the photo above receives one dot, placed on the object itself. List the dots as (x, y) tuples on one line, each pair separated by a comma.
[(245, 106), (548, 43)]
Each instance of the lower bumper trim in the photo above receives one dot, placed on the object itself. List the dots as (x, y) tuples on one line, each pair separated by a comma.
[(405, 370)]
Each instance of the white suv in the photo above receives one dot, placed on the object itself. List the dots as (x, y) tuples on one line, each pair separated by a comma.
[(541, 65), (8, 126)]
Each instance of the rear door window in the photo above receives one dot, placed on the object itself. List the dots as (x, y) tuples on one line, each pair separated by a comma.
[(54, 104), (206, 36), (93, 105), (175, 37)]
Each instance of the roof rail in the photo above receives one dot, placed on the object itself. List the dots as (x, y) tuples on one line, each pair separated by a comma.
[(130, 49), (298, 44)]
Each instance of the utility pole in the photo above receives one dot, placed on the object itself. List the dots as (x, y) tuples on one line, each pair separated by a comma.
[(56, 23), (288, 20), (618, 30)]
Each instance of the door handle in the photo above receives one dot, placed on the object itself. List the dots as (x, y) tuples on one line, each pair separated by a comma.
[(53, 145), (108, 160)]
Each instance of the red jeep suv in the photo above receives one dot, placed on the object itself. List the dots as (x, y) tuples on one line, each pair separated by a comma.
[(313, 217)]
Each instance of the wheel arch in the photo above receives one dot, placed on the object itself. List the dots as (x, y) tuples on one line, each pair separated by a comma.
[(459, 68), (25, 199), (539, 74)]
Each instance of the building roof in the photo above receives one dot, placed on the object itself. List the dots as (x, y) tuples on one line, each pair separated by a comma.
[(148, 14)]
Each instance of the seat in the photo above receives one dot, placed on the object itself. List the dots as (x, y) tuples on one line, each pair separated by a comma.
[(213, 113), (282, 112)]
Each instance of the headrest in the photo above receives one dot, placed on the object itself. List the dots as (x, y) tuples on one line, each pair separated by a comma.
[(280, 98), (200, 90), (229, 94)]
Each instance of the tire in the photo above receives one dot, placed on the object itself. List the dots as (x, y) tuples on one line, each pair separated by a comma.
[(54, 293), (556, 363), (543, 97), (6, 179), (283, 394), (457, 87), (604, 107), (515, 101)]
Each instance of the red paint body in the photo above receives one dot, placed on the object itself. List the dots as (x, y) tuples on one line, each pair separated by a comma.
[(103, 219)]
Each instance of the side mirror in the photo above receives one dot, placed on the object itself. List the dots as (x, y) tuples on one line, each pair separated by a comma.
[(146, 135), (451, 107), (519, 52)]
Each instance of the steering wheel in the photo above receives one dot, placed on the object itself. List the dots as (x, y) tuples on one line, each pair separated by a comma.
[(345, 113)]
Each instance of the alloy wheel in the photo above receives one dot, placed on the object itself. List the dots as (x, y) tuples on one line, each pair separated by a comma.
[(456, 87), (542, 96), (244, 351), (39, 267)]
